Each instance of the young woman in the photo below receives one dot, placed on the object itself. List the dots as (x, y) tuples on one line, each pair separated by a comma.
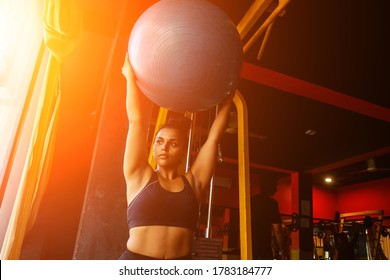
[(162, 205)]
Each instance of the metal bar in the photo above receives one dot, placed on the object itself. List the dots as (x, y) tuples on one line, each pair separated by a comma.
[(192, 117), (251, 16), (259, 166), (362, 213), (312, 91), (243, 177), (265, 40), (209, 210), (211, 194), (279, 9), (368, 247)]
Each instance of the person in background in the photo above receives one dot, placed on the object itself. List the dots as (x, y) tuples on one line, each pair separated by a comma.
[(163, 206), (266, 223)]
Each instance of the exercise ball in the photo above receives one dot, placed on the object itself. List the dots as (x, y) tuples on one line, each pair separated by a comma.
[(186, 54)]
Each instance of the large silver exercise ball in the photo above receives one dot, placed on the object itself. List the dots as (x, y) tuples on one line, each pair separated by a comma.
[(186, 54)]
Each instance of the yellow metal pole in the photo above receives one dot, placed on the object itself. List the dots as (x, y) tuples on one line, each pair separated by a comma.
[(279, 9), (243, 178), (265, 40), (252, 16)]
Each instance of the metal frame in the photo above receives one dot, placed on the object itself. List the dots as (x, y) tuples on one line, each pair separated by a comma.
[(371, 254)]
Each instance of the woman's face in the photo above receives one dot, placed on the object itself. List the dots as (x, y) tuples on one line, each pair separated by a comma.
[(169, 147)]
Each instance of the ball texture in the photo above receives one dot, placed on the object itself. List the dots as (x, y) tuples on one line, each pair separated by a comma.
[(186, 54)]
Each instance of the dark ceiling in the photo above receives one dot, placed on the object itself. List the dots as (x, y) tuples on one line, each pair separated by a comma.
[(324, 68), (340, 46)]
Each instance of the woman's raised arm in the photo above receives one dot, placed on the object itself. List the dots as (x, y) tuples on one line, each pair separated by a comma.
[(203, 167), (139, 109)]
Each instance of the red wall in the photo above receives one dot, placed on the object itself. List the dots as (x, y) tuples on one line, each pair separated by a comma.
[(373, 195), (369, 196), (324, 203)]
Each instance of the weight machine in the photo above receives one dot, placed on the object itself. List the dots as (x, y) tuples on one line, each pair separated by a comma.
[(354, 235)]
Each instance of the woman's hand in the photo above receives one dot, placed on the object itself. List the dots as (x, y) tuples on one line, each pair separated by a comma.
[(127, 70)]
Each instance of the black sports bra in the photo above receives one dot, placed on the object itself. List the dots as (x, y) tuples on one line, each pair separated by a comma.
[(154, 205)]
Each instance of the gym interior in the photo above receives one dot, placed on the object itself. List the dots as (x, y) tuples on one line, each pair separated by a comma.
[(311, 118)]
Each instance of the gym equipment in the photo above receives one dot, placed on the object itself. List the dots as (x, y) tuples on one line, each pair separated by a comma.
[(321, 225), (294, 222), (384, 232), (323, 241), (371, 223), (255, 12), (186, 54), (350, 236), (207, 248)]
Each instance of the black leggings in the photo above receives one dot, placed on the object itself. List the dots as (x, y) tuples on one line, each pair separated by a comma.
[(128, 255)]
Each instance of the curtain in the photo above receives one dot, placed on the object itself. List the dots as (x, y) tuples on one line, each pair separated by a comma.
[(62, 21)]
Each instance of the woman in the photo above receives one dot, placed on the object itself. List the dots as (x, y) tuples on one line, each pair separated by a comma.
[(163, 206)]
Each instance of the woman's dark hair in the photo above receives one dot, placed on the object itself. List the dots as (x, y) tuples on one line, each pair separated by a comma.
[(180, 123)]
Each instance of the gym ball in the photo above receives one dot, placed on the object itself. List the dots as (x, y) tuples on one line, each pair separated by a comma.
[(186, 54)]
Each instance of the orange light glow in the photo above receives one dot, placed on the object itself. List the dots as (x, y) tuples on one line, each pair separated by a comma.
[(21, 37)]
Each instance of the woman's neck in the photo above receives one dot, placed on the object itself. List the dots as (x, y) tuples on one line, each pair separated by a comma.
[(167, 173)]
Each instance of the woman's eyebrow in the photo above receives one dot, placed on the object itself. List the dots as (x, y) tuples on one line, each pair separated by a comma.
[(170, 139)]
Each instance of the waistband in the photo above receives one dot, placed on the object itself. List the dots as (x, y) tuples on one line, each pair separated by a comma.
[(128, 255)]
